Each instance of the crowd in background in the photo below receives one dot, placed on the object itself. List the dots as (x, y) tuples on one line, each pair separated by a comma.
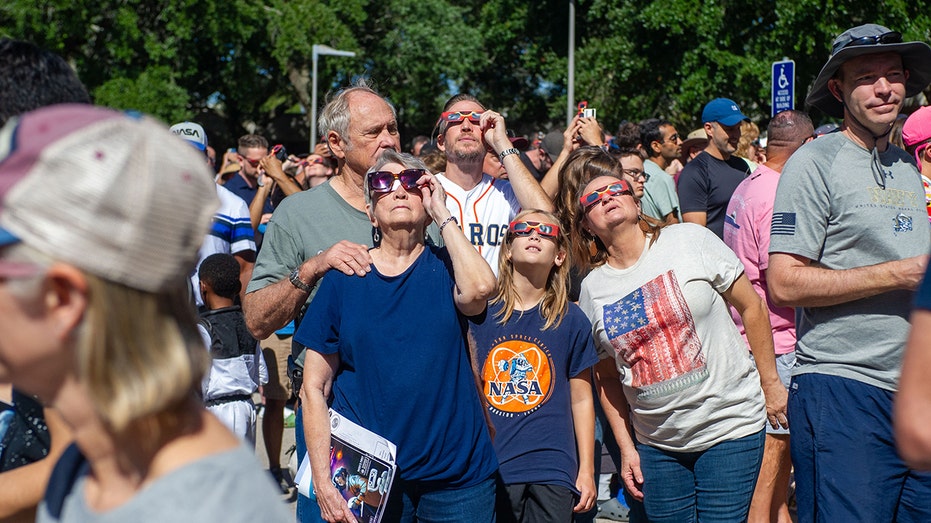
[(646, 317)]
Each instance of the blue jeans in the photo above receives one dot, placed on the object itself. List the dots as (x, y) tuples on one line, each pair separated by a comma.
[(411, 502), (307, 509), (711, 485), (843, 450)]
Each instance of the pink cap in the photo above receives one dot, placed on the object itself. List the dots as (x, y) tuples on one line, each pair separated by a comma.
[(917, 129)]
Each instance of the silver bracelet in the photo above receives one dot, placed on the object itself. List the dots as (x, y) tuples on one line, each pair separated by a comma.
[(446, 222)]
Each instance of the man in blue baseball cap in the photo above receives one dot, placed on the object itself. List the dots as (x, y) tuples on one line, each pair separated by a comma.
[(708, 181)]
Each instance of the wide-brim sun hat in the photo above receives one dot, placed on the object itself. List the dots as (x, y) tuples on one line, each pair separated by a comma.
[(865, 40)]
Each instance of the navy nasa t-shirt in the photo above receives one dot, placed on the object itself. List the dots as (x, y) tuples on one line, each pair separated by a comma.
[(525, 379)]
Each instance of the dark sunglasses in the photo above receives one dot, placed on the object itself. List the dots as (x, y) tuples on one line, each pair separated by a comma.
[(615, 189), (458, 116), (383, 181), (524, 228), (892, 37)]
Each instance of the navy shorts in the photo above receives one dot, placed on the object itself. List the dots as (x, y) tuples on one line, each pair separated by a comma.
[(843, 450)]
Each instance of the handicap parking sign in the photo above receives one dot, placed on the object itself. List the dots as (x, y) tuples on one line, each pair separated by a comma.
[(783, 86)]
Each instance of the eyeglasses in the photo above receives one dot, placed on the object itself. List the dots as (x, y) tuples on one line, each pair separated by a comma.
[(615, 189), (892, 37), (525, 228), (636, 174), (458, 116), (254, 163), (383, 181), (673, 138)]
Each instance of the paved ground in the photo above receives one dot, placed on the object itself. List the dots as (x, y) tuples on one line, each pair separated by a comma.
[(287, 441)]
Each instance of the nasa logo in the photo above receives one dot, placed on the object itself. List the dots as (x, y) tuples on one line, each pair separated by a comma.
[(518, 377), (187, 132)]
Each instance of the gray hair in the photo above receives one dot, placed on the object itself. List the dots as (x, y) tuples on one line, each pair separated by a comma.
[(335, 114), (409, 161)]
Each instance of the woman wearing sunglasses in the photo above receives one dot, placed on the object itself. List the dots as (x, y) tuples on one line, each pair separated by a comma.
[(534, 351), (681, 395), (390, 349)]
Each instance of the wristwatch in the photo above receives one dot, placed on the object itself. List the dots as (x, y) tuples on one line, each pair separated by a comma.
[(508, 152), (295, 279)]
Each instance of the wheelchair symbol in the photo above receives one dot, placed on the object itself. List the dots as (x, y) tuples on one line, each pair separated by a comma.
[(783, 81)]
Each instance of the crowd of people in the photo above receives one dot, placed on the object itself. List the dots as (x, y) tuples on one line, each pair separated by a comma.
[(719, 314)]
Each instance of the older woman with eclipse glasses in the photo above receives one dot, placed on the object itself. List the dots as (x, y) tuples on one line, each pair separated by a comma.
[(390, 347), (681, 394)]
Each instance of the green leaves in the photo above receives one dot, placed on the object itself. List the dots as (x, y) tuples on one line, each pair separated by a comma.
[(243, 65)]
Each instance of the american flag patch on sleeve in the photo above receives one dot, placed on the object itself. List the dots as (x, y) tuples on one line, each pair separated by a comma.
[(783, 223)]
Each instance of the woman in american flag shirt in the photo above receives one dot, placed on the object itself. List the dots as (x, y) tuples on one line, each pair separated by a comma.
[(686, 404)]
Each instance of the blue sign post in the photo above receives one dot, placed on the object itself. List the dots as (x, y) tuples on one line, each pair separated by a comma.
[(783, 86)]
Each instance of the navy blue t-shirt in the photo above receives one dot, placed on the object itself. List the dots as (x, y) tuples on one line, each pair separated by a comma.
[(525, 378), (240, 188), (404, 369), (706, 184)]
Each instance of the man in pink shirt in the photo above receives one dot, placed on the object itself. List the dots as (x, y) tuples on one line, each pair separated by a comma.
[(746, 231)]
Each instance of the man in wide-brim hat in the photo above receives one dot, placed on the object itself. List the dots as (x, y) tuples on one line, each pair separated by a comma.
[(849, 244)]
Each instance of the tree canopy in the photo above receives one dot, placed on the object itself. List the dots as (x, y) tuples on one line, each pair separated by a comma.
[(245, 66)]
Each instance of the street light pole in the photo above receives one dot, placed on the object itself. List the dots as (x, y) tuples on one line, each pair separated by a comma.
[(318, 50), (570, 94)]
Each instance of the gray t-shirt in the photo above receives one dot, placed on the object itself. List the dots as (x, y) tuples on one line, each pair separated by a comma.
[(228, 487), (303, 225), (831, 209), (659, 192)]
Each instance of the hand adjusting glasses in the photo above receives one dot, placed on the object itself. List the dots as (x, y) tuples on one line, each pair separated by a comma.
[(383, 181), (526, 228), (615, 189)]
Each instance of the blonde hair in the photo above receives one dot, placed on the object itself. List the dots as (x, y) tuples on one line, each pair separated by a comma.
[(555, 301), (749, 133), (138, 353)]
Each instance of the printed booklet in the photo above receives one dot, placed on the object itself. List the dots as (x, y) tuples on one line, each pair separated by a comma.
[(362, 466)]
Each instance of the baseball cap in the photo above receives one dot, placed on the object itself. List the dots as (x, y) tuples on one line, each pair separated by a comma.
[(112, 193), (192, 132), (724, 111), (917, 129), (519, 142), (863, 40)]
